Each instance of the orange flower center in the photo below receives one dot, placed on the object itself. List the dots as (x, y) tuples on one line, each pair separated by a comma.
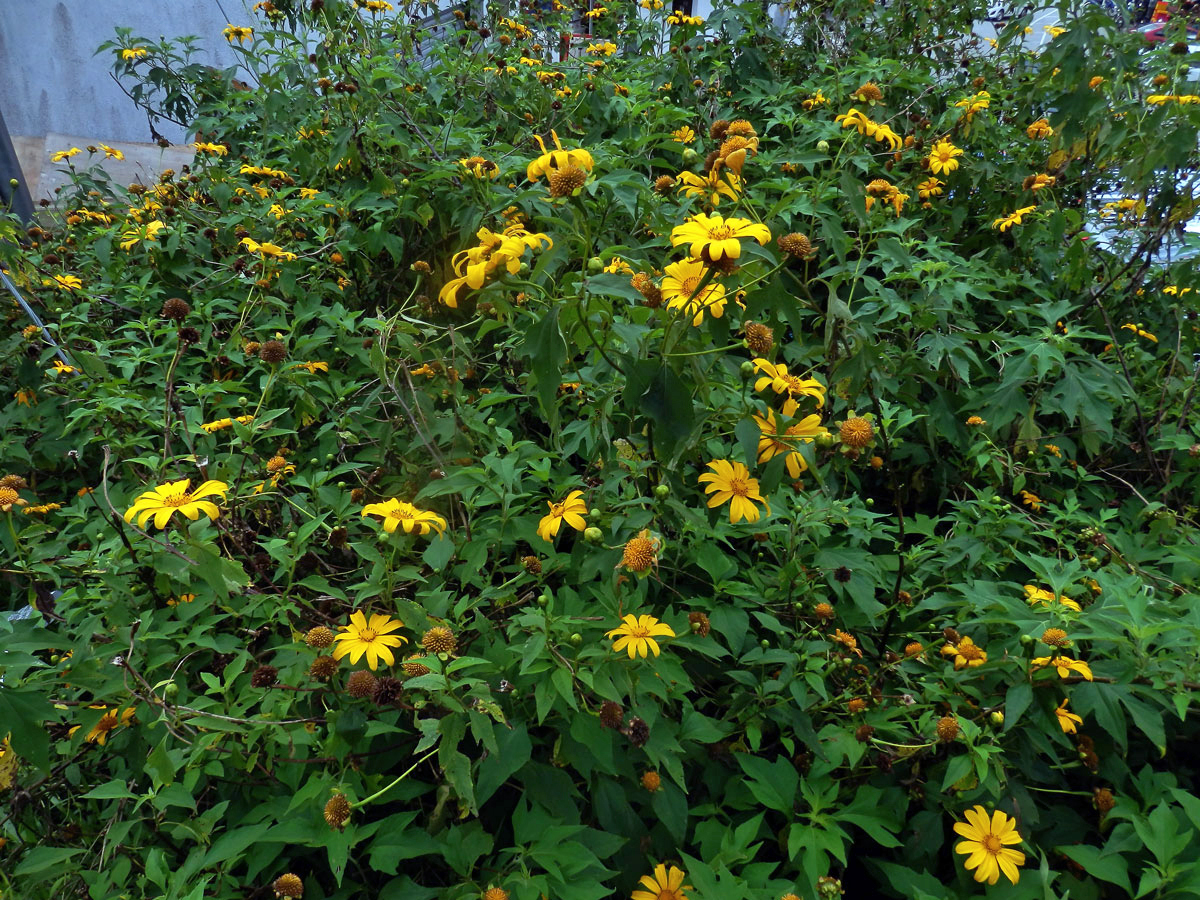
[(177, 500), (366, 635), (720, 233), (969, 651), (399, 513), (557, 510), (639, 632), (738, 487), (107, 723), (991, 843), (689, 285)]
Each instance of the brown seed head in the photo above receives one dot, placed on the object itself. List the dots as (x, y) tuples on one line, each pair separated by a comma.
[(718, 129), (1179, 48), (611, 715), (824, 611), (319, 638), (699, 623), (388, 691), (651, 781), (857, 705), (413, 667), (175, 309), (421, 266), (856, 432), (264, 676), (288, 885), (495, 893), (1103, 799), (913, 649), (1160, 80), (947, 729), (272, 352), (1055, 637), (276, 464), (663, 184), (760, 339), (337, 812), (532, 565), (565, 181), (638, 555), (868, 93), (361, 684), (863, 733), (639, 731), (795, 244), (339, 537), (842, 574), (358, 495), (322, 668), (740, 128), (439, 639), (189, 335), (14, 483)]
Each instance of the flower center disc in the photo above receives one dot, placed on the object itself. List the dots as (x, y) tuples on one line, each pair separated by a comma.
[(177, 500), (721, 233), (367, 635), (992, 844), (738, 487), (690, 285)]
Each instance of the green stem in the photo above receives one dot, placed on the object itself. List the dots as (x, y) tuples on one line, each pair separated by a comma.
[(379, 793)]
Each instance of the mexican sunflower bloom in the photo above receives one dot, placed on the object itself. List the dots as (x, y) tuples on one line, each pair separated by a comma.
[(107, 722), (683, 134), (774, 441), (1037, 596), (985, 845), (681, 289), (966, 653), (714, 237), (239, 33), (943, 158), (1067, 720), (731, 482), (552, 160), (663, 885), (637, 634), (397, 513), (1004, 223), (267, 249), (165, 500), (1064, 665), (780, 381), (374, 638), (711, 188), (570, 510)]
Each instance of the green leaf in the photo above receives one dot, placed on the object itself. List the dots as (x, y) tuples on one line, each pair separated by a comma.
[(1110, 867), (773, 784), (546, 351), (1016, 701), (668, 403)]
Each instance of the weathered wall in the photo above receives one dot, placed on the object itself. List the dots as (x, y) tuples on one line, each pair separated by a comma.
[(52, 81)]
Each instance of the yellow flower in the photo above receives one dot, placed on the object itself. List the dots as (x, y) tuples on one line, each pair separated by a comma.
[(107, 722), (64, 154), (480, 167), (1064, 665), (558, 158), (1039, 130), (637, 635), (474, 265), (214, 149), (61, 368), (41, 509), (930, 187), (682, 19), (885, 135), (397, 513), (1039, 181), (663, 885), (377, 5), (714, 237), (640, 552), (1037, 596), (133, 52), (681, 289), (165, 500), (313, 367), (1054, 31), (985, 845), (1139, 332), (239, 33), (966, 653), (267, 249), (779, 380), (147, 232), (222, 424), (855, 119), (66, 282), (943, 157), (773, 442), (596, 12), (1067, 720), (1033, 501), (25, 397), (731, 482), (571, 510), (1096, 81), (1014, 218), (711, 188), (977, 103), (373, 638), (817, 99), (618, 266), (1175, 290), (604, 48), (111, 152)]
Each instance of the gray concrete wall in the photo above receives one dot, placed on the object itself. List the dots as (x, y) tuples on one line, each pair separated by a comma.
[(51, 81)]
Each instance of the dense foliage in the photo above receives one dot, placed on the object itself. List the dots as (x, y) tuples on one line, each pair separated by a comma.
[(704, 459)]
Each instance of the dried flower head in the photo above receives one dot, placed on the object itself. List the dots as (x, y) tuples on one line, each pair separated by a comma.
[(264, 676), (824, 611), (1103, 799), (288, 885), (495, 893), (272, 352), (1055, 637), (795, 244), (857, 705), (361, 684), (644, 285), (699, 623), (189, 335), (842, 574), (863, 733), (718, 129), (639, 732), (532, 565), (663, 184), (760, 339), (868, 93), (913, 649), (14, 482), (611, 715), (651, 781), (322, 668), (439, 639), (856, 432), (319, 638), (640, 553), (947, 729), (337, 812), (413, 666), (175, 309), (740, 128), (388, 691), (567, 180)]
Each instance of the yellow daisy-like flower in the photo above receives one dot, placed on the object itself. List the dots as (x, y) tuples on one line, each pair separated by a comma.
[(773, 442), (1032, 500), (1067, 720), (943, 157), (147, 232), (571, 510), (398, 513), (214, 149), (133, 52), (972, 105), (480, 167), (711, 188), (1037, 182), (779, 380), (637, 635), (816, 100), (966, 653), (683, 135), (730, 482), (930, 187), (165, 500), (714, 237), (681, 289), (374, 638), (65, 282), (663, 885), (106, 724), (64, 154), (1037, 596), (1014, 218), (1039, 130), (222, 424), (239, 33), (267, 249), (553, 160), (1064, 665), (885, 135), (986, 845), (313, 367), (855, 119), (111, 152)]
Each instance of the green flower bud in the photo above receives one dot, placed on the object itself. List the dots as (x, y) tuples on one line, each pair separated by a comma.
[(662, 491), (747, 369), (543, 599), (595, 265), (823, 146), (593, 535), (996, 717), (171, 689), (690, 156), (1027, 640), (576, 639)]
